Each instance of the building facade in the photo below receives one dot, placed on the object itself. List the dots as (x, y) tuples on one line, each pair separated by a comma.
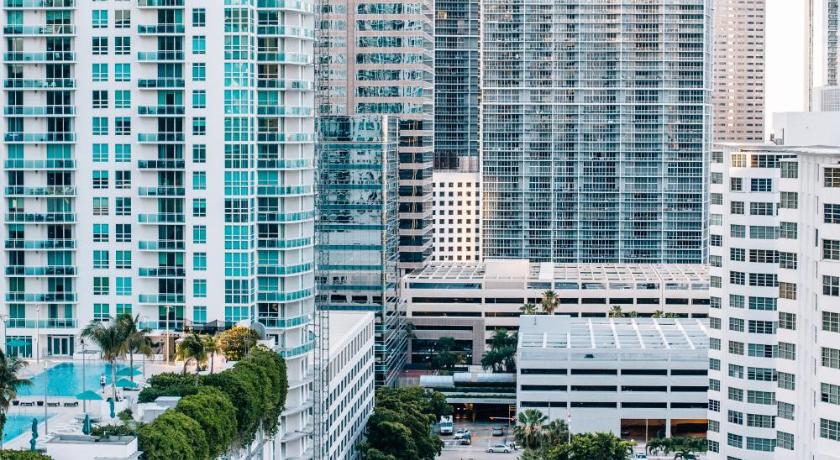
[(457, 217), (831, 29), (158, 161), (469, 302), (374, 58), (596, 127), (457, 91), (738, 87), (358, 239), (351, 382), (774, 354), (638, 378)]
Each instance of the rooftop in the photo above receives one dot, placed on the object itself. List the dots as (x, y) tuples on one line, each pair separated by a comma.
[(344, 324), (549, 332)]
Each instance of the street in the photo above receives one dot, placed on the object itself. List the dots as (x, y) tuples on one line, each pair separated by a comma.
[(481, 440)]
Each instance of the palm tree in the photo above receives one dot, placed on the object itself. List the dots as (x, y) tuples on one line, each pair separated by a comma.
[(192, 348), (111, 340), (556, 432), (136, 339), (549, 302), (528, 309), (528, 430), (10, 367), (211, 346), (616, 312)]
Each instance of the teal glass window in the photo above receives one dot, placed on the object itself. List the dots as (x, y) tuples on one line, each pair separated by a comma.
[(123, 233), (199, 17), (100, 126), (234, 314), (199, 288), (199, 99), (100, 233), (100, 153), (123, 285), (199, 126), (122, 99), (199, 207), (199, 72), (100, 259), (122, 46), (123, 309), (122, 72), (122, 153), (200, 261), (199, 180), (122, 126), (123, 259), (100, 72), (100, 19), (101, 285), (122, 205), (199, 314), (100, 179), (199, 153), (101, 311), (199, 44), (199, 234), (100, 206)]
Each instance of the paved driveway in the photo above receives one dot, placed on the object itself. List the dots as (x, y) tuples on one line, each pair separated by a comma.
[(481, 439)]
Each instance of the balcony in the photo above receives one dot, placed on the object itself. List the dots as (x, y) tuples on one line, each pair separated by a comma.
[(50, 297), (160, 164), (284, 58), (176, 325), (275, 243), (158, 110), (161, 29), (34, 111), (161, 191), (284, 270), (53, 190), (37, 218), (160, 56), (39, 4), (162, 272), (50, 323), (274, 83), (40, 138), (49, 83), (284, 164), (47, 30), (277, 190), (285, 217), (38, 245), (52, 56), (286, 32), (160, 3), (288, 5), (161, 298), (27, 165), (303, 348), (284, 111), (160, 138), (288, 296), (161, 245), (161, 218), (26, 270), (284, 323), (296, 138), (160, 83)]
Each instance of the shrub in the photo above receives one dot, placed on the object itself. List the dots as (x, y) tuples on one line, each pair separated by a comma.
[(243, 391), (22, 455), (173, 435), (214, 412), (237, 341), (167, 384), (276, 367), (114, 430)]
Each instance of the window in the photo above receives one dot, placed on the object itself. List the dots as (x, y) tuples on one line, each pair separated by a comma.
[(716, 198), (101, 312), (761, 374), (123, 285), (736, 324), (787, 321), (785, 410), (714, 364), (123, 259), (199, 99), (762, 303), (831, 357), (199, 17), (757, 350), (100, 19), (714, 405), (199, 72), (736, 394), (787, 351), (759, 208), (786, 381), (99, 46), (122, 72), (100, 126), (199, 314), (123, 309), (763, 232), (831, 285), (122, 99), (788, 200), (122, 180), (736, 278), (759, 421), (736, 348), (714, 219), (123, 233), (101, 285), (200, 261), (832, 177), (829, 429), (761, 397), (199, 180), (122, 46), (714, 240), (830, 393), (831, 249), (100, 179), (122, 19), (714, 323), (99, 99), (100, 233), (100, 72), (789, 170), (736, 184), (122, 205), (199, 288), (100, 259), (199, 126), (737, 231), (761, 185), (100, 206), (199, 45), (787, 291), (763, 280), (122, 126), (787, 230), (714, 302), (739, 160), (199, 207), (784, 440), (787, 260), (122, 153), (100, 153), (199, 153), (736, 301), (761, 444), (831, 213), (761, 327), (734, 440), (716, 178), (714, 384), (714, 343), (736, 207), (830, 321), (199, 234)]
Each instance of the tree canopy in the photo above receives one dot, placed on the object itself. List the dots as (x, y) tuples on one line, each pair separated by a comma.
[(551, 440), (501, 357)]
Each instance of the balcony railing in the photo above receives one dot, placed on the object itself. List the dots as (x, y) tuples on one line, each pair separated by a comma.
[(38, 4), (161, 298), (162, 217), (161, 191), (50, 297), (52, 29), (54, 190), (40, 138), (157, 110), (161, 245), (162, 272), (160, 29), (160, 56), (50, 323), (160, 138), (46, 217), (39, 164), (20, 83), (160, 3), (51, 56), (40, 244), (160, 164), (23, 270), (160, 83)]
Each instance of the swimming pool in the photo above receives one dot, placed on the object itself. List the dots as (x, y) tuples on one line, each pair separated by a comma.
[(65, 379), (19, 424)]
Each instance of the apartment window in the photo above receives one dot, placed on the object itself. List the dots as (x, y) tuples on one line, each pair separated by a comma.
[(100, 126), (736, 324), (199, 72), (735, 440), (100, 259), (761, 397), (759, 421), (199, 153), (784, 440), (122, 126), (199, 207), (101, 285), (761, 185), (122, 72), (761, 327), (787, 260), (761, 374), (831, 213), (199, 180), (736, 184), (787, 291), (122, 179), (199, 45), (787, 351), (123, 259), (736, 348), (714, 405), (736, 394), (831, 249), (716, 178), (99, 46), (761, 444), (101, 312), (122, 206), (714, 384), (716, 261), (832, 177), (789, 170), (714, 364), (737, 231), (122, 153), (762, 303), (786, 381), (100, 179), (716, 198), (100, 19), (829, 429), (758, 350), (736, 301), (785, 410), (123, 233), (122, 99), (100, 206), (123, 309), (763, 279), (122, 46), (199, 234), (199, 314), (714, 302), (199, 17), (830, 321), (715, 281), (100, 153), (714, 240), (736, 207), (739, 160), (787, 230), (831, 285), (830, 393), (714, 323), (100, 72), (760, 208), (99, 99), (831, 357), (763, 232), (122, 19), (199, 99), (199, 126), (123, 285), (788, 200), (200, 261), (714, 426), (100, 233), (736, 278), (787, 321), (199, 288), (714, 343)]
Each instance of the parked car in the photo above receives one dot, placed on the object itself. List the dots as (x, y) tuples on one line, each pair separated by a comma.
[(499, 449), (640, 456), (446, 424), (462, 433), (498, 431)]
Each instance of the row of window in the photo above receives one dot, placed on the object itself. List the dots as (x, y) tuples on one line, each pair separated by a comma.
[(122, 18), (122, 72), (122, 234)]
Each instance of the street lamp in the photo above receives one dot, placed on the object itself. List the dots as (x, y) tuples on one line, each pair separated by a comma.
[(38, 334)]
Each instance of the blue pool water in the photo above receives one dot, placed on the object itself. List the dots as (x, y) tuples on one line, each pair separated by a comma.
[(17, 424), (65, 379)]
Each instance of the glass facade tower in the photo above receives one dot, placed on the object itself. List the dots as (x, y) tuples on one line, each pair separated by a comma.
[(596, 120)]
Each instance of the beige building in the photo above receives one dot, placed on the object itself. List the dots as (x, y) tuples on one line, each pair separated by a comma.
[(738, 91), (457, 220)]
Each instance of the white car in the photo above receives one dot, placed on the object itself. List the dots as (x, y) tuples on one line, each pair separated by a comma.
[(462, 433), (499, 449)]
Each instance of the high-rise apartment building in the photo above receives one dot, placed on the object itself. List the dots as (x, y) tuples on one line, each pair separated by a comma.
[(831, 38), (158, 161), (596, 127), (738, 87), (457, 217), (358, 240), (377, 57), (457, 32), (774, 364)]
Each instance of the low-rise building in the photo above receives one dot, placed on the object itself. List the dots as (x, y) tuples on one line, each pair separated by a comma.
[(468, 302), (351, 382), (639, 378)]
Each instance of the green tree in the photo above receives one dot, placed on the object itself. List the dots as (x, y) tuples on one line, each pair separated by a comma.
[(10, 367), (683, 447), (528, 309), (167, 384), (214, 412), (528, 429), (136, 337), (501, 357), (211, 346), (400, 427), (603, 446), (173, 435), (22, 455), (111, 340), (242, 389), (191, 348), (236, 342), (549, 302), (444, 358), (276, 367), (556, 432), (616, 312)]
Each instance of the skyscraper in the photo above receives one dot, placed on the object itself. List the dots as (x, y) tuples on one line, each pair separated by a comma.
[(596, 126), (831, 25), (159, 162), (457, 30), (738, 88), (377, 57)]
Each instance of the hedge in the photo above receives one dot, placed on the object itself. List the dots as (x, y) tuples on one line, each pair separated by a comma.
[(168, 384), (22, 455), (214, 412), (173, 435)]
